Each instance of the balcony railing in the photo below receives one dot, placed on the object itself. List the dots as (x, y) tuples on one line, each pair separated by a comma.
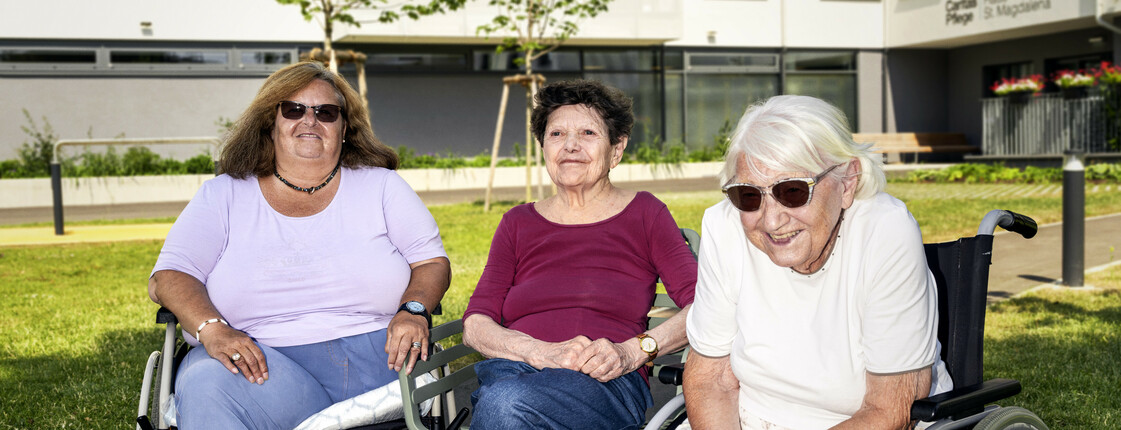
[(1048, 124)]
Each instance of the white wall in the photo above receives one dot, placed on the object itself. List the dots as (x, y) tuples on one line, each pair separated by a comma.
[(759, 23), (625, 22), (265, 20), (950, 23), (107, 107), (193, 20)]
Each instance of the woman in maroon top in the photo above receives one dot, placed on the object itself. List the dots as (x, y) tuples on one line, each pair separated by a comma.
[(561, 307)]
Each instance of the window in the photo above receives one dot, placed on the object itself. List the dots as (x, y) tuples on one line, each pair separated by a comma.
[(48, 56), (629, 60), (113, 60), (418, 61), (819, 61), (731, 63), (169, 57), (827, 75), (266, 57), (507, 61)]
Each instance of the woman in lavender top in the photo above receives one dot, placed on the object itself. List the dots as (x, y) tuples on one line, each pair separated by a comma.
[(305, 271)]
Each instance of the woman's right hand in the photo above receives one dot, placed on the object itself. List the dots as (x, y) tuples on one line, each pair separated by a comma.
[(560, 355), (224, 343)]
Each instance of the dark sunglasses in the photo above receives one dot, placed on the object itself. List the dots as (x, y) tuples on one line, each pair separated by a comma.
[(790, 192), (323, 113)]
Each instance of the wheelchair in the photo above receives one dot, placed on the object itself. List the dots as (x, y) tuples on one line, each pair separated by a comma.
[(961, 270), (437, 397)]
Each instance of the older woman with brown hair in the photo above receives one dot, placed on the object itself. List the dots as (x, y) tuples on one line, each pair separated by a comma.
[(561, 307), (304, 273)]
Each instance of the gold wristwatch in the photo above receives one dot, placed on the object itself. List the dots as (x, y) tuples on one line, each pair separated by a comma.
[(648, 344)]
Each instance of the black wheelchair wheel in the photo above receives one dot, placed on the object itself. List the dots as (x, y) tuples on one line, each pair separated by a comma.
[(1011, 418)]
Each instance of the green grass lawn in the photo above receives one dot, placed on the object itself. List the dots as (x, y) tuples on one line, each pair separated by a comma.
[(77, 324)]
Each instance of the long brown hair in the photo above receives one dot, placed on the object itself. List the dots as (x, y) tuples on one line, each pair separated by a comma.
[(248, 148)]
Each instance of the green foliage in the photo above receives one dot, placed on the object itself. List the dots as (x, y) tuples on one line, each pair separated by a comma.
[(408, 159), (538, 26), (35, 156), (340, 10), (998, 173)]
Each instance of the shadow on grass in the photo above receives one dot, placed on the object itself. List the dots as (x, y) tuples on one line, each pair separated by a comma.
[(99, 389), (1064, 353)]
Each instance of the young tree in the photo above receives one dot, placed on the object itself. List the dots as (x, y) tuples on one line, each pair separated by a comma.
[(330, 12), (535, 28)]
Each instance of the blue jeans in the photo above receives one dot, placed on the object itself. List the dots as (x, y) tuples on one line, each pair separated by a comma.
[(303, 380), (515, 395)]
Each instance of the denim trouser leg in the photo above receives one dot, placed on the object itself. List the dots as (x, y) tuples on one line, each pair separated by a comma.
[(303, 380), (208, 396), (515, 395)]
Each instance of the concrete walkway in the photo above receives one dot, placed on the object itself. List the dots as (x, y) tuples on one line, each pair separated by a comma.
[(1018, 264)]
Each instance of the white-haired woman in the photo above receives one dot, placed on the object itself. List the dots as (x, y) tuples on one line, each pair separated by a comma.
[(814, 305)]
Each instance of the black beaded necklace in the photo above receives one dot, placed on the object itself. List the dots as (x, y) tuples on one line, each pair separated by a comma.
[(312, 189)]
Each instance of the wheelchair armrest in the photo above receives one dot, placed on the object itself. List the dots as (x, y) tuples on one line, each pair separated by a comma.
[(164, 316), (964, 399)]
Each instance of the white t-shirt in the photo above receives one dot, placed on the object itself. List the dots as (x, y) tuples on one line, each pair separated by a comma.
[(800, 344)]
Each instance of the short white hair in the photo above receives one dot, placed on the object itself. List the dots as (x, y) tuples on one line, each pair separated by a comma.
[(800, 133)]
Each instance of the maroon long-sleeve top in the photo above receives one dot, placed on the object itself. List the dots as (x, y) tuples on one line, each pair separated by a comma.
[(556, 281)]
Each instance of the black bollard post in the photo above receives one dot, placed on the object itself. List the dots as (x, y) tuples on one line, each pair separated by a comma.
[(56, 193), (1074, 219)]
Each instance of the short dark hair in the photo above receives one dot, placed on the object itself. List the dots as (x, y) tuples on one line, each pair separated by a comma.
[(248, 147), (612, 105)]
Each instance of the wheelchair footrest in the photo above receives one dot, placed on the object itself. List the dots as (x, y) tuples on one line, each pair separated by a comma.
[(964, 399)]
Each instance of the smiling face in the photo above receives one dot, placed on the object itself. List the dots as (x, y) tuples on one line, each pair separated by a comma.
[(308, 139), (799, 238), (577, 149)]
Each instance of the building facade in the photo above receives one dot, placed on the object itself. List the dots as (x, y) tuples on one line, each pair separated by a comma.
[(156, 69)]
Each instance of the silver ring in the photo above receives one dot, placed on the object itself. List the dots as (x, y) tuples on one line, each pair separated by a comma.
[(416, 345), (236, 356)]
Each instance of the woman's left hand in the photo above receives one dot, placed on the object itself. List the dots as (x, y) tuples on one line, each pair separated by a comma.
[(605, 360), (403, 330)]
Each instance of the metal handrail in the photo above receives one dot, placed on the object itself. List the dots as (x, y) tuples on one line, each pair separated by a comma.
[(56, 168)]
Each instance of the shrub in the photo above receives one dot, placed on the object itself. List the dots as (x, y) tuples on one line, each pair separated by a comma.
[(998, 173)]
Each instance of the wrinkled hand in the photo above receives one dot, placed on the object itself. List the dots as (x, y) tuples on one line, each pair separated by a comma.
[(560, 355), (222, 342), (404, 329), (605, 360)]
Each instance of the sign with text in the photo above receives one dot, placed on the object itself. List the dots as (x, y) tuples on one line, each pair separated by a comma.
[(927, 22)]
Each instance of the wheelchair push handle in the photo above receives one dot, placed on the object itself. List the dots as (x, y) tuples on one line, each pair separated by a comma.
[(1008, 220)]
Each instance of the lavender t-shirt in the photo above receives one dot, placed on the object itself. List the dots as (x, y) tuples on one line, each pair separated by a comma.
[(298, 280)]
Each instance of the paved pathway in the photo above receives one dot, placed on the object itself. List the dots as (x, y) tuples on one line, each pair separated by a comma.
[(1018, 264)]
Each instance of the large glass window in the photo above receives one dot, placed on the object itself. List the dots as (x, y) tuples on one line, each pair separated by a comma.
[(169, 57), (266, 57), (645, 89), (418, 61), (675, 107), (553, 61), (818, 61), (621, 60), (838, 90), (830, 76), (714, 101), (48, 56)]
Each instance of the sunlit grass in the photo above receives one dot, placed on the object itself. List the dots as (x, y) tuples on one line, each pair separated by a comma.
[(77, 324)]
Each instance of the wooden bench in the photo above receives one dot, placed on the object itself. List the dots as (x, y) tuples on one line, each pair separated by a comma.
[(893, 145)]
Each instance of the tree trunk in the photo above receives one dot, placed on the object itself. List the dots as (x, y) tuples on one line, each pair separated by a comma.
[(530, 153), (328, 31)]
